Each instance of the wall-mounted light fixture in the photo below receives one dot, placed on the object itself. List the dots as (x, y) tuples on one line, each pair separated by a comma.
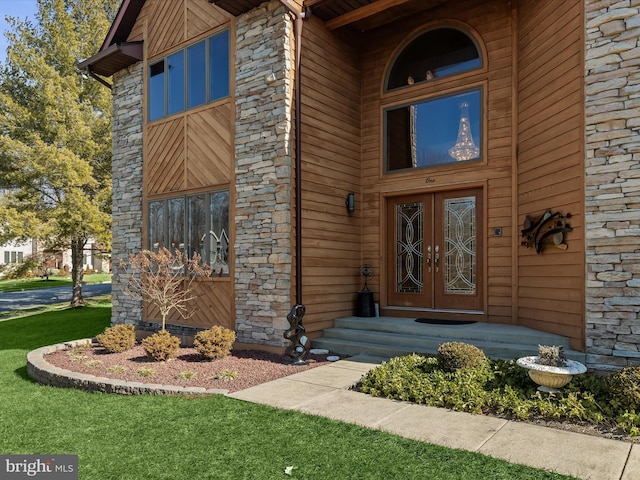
[(350, 202)]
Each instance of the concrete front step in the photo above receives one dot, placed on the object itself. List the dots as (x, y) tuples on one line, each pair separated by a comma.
[(390, 336)]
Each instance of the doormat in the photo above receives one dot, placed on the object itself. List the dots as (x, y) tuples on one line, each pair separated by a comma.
[(439, 321)]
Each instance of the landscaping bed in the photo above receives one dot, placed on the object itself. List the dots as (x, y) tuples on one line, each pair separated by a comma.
[(501, 388), (242, 369)]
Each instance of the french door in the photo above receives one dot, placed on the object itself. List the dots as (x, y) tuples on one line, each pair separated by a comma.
[(435, 250)]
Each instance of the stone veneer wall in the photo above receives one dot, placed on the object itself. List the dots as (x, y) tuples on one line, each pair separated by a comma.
[(612, 107), (127, 185), (263, 160)]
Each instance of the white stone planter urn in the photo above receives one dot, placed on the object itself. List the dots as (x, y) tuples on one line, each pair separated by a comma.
[(550, 378)]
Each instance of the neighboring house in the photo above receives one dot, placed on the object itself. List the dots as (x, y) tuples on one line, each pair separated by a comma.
[(15, 252), (455, 124), (93, 258)]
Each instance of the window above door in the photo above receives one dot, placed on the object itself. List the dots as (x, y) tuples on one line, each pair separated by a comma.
[(439, 77), (437, 53), (436, 131)]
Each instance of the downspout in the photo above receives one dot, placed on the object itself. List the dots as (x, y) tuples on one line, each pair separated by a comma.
[(299, 342)]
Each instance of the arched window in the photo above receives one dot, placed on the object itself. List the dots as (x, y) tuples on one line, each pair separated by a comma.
[(446, 127), (434, 54)]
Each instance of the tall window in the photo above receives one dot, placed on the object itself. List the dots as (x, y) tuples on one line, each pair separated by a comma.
[(443, 129), (190, 77), (13, 257), (196, 223)]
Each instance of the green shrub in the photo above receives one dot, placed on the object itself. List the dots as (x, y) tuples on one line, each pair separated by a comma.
[(454, 356), (624, 386), (24, 268), (161, 346), (214, 343), (499, 387), (118, 338)]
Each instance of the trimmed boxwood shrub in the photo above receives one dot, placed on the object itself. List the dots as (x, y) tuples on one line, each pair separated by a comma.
[(214, 343), (118, 338), (161, 346), (454, 356)]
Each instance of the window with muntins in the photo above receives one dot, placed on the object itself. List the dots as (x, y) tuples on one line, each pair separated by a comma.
[(442, 129), (13, 257), (197, 223), (190, 77)]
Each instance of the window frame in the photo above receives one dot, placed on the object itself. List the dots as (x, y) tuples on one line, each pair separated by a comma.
[(480, 88), (185, 225), (209, 88), (449, 85), (463, 29)]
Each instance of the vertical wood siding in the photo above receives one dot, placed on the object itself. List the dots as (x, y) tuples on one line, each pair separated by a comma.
[(550, 162)]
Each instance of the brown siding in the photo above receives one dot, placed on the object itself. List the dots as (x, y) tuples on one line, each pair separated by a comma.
[(209, 146), (190, 151), (331, 169), (211, 308), (201, 16), (550, 162), (166, 27), (493, 23), (165, 156)]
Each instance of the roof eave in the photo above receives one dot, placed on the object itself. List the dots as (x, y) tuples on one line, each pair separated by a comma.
[(114, 58)]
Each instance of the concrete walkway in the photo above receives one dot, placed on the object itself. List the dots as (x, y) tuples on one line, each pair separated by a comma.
[(324, 391)]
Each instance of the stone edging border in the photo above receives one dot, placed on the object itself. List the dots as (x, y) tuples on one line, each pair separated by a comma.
[(46, 374)]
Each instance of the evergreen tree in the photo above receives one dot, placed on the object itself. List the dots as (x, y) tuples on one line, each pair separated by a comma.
[(55, 131)]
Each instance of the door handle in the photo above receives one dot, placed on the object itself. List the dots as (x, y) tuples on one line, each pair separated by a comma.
[(429, 259), (436, 258)]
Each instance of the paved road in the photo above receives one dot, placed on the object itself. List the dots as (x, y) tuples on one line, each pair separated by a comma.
[(34, 298)]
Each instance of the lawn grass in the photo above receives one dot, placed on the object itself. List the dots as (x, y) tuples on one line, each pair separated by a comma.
[(215, 437), (33, 283)]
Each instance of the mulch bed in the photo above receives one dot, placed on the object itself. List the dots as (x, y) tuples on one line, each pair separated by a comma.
[(251, 367)]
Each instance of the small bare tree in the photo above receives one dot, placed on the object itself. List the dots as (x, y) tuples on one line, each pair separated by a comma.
[(164, 279)]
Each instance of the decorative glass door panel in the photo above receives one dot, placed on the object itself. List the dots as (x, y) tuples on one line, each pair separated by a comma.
[(409, 247), (435, 251), (459, 251)]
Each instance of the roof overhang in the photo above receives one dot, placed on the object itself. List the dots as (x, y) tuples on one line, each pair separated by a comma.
[(114, 58), (116, 53), (359, 15)]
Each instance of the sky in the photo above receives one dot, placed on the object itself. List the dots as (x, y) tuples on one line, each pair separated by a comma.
[(14, 8)]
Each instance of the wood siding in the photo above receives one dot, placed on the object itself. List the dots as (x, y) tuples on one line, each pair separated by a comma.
[(532, 154), (189, 151), (211, 307), (550, 163), (492, 23), (331, 169)]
